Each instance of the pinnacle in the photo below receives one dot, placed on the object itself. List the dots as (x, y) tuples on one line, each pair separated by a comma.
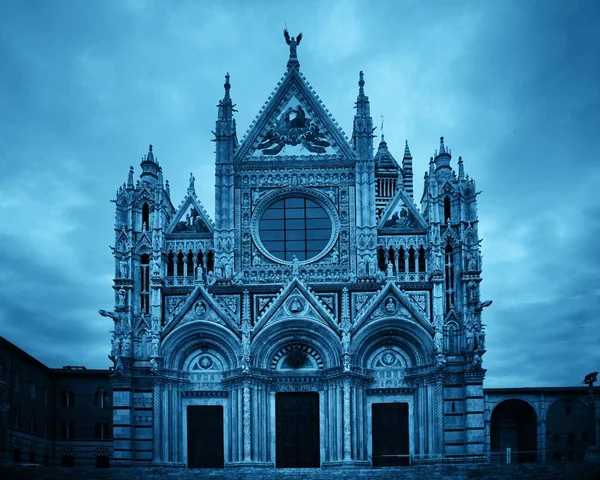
[(407, 153)]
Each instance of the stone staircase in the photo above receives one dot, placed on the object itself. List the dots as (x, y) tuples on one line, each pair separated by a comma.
[(533, 471)]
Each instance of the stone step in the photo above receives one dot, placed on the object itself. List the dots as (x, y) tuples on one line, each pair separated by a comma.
[(539, 471)]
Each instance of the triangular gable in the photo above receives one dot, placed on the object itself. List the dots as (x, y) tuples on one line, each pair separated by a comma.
[(448, 236), (191, 217), (262, 302), (232, 304), (201, 305), (293, 121), (301, 301), (145, 239), (401, 214), (142, 324), (391, 301)]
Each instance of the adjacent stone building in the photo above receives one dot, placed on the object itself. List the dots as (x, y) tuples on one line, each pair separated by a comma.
[(323, 318), (53, 416)]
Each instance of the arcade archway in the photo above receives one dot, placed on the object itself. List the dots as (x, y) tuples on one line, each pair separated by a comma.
[(514, 425)]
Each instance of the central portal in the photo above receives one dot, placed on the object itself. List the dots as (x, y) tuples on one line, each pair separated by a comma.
[(390, 434), (297, 430), (205, 437)]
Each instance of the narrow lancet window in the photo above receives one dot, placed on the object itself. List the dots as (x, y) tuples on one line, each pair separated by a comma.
[(145, 284), (411, 260), (422, 266), (447, 211), (449, 279), (145, 217)]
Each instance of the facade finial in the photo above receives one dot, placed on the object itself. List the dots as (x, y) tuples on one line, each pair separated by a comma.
[(227, 85), (130, 178), (150, 155), (382, 137), (361, 83), (293, 42), (191, 188)]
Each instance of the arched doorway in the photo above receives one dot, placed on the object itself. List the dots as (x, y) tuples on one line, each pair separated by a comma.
[(514, 425), (569, 429)]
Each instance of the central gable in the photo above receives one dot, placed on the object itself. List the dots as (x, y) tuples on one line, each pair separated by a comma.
[(293, 122)]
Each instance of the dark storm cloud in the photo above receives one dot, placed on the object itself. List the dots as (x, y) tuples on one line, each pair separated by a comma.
[(86, 86)]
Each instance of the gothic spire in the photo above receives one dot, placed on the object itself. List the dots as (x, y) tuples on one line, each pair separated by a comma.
[(362, 133), (407, 171), (225, 134)]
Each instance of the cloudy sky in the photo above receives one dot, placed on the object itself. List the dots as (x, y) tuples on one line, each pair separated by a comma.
[(513, 86)]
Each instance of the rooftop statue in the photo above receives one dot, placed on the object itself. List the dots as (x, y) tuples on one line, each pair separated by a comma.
[(293, 42)]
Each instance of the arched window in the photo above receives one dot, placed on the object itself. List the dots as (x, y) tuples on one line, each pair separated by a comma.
[(381, 263), (447, 210), (102, 398), (411, 260), (452, 338), (210, 261), (190, 264), (180, 264), (170, 264), (145, 217), (145, 284), (102, 429), (392, 258), (143, 344), (68, 398), (449, 278), (401, 260), (67, 430), (422, 266), (200, 257)]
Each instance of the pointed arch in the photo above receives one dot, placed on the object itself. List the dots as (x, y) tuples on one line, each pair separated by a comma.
[(422, 265), (392, 258), (449, 277), (170, 264), (412, 260), (401, 260), (145, 217), (452, 338), (447, 211), (381, 260), (145, 284)]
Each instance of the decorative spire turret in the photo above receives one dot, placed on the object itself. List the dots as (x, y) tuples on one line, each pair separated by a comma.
[(293, 42), (150, 166), (442, 159), (130, 178), (461, 169), (407, 171), (225, 134), (362, 133)]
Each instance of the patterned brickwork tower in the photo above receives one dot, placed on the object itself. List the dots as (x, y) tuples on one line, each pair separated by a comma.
[(323, 319)]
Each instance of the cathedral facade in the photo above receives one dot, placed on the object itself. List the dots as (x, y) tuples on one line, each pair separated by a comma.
[(321, 319)]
